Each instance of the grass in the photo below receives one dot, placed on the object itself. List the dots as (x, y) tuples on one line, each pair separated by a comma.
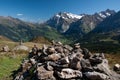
[(8, 63), (113, 59)]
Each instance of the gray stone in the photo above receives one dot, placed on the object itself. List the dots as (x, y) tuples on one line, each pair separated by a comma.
[(5, 48), (52, 57), (96, 76), (50, 50), (43, 74), (86, 66), (68, 47), (104, 68), (96, 59), (64, 60), (49, 67), (21, 47), (116, 67), (87, 54), (33, 61), (68, 73)]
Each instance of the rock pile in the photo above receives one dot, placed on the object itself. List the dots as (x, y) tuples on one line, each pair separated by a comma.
[(62, 62)]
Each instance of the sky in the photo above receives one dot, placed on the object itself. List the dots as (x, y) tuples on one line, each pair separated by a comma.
[(41, 10)]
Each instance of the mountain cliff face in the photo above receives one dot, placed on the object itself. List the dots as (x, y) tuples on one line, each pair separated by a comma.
[(87, 23), (62, 21), (76, 26)]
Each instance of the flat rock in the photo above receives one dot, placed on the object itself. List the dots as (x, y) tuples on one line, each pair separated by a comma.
[(68, 73), (96, 76)]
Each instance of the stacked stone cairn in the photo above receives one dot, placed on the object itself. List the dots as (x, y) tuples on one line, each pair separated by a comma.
[(62, 62)]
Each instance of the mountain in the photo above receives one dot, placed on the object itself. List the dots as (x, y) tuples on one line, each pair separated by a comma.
[(110, 28), (106, 35), (87, 23), (62, 21), (16, 29)]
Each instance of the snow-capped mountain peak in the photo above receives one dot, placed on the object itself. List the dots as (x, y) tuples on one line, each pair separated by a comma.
[(70, 15), (66, 15), (62, 21), (106, 13), (102, 15)]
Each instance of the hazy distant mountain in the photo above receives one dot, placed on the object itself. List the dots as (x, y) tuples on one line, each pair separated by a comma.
[(62, 21)]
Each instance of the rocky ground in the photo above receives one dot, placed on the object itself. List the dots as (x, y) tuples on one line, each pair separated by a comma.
[(63, 62)]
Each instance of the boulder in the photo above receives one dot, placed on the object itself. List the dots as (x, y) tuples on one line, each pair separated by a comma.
[(96, 59), (116, 67), (33, 61), (52, 57), (21, 47), (49, 67), (68, 47), (87, 54), (86, 66), (77, 45), (96, 76), (68, 73), (43, 74), (50, 50), (75, 64), (5, 48), (63, 61), (105, 69)]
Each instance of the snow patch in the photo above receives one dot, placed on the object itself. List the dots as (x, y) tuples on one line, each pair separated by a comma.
[(70, 15), (66, 15), (58, 15), (102, 15), (108, 14)]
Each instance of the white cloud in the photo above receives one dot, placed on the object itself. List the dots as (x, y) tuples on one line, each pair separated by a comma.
[(19, 14)]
